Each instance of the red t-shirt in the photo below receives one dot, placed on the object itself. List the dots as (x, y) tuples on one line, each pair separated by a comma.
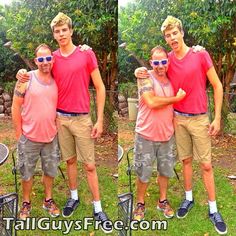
[(72, 75), (189, 73)]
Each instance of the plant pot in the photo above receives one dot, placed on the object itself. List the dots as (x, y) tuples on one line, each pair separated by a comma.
[(132, 108)]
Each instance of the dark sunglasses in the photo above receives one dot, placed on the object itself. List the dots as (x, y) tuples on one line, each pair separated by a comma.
[(157, 62), (42, 59)]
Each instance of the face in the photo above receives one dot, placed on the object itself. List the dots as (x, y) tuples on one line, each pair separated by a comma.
[(44, 55), (163, 63), (174, 38), (62, 34)]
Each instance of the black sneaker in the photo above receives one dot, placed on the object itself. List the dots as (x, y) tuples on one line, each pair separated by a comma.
[(218, 222), (184, 208), (106, 224), (70, 206)]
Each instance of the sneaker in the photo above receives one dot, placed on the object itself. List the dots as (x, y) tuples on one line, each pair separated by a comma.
[(106, 224), (25, 210), (184, 208), (51, 207), (70, 206), (139, 212), (166, 208), (218, 222)]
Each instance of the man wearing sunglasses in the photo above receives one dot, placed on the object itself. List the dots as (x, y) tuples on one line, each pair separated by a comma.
[(154, 132), (36, 131), (189, 70), (72, 71)]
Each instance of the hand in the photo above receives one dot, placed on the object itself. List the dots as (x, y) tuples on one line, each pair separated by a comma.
[(22, 76), (97, 130), (214, 128), (198, 48), (141, 73), (84, 47), (180, 94)]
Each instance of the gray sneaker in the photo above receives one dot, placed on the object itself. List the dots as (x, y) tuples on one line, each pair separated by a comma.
[(70, 207), (184, 208), (218, 222)]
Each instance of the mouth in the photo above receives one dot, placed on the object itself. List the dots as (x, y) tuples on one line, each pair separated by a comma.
[(174, 44)]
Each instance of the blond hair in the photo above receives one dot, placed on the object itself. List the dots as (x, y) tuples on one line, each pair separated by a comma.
[(170, 22), (61, 19)]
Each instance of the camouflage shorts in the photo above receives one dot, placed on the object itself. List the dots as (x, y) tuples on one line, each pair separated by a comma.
[(146, 152), (29, 153)]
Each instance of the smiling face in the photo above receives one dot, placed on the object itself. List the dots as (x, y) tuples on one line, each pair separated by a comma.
[(46, 65), (162, 66), (174, 38), (62, 34)]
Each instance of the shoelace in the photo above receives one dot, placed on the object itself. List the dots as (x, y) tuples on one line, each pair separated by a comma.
[(102, 216), (51, 203), (70, 203), (25, 207), (217, 217), (185, 204), (140, 209)]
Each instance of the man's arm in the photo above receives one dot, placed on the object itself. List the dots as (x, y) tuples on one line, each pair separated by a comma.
[(218, 98), (100, 99), (156, 102), (18, 100)]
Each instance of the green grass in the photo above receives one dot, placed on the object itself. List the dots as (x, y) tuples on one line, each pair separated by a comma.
[(197, 222), (107, 185)]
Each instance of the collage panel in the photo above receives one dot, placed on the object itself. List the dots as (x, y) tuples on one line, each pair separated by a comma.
[(58, 117), (177, 117)]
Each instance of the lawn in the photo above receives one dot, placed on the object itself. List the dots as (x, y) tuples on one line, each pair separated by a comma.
[(106, 157), (197, 222)]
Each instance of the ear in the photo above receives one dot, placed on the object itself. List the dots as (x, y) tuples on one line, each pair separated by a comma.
[(182, 32), (150, 62), (35, 61), (71, 32)]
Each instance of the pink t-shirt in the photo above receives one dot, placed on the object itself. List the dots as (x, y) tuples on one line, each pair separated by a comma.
[(189, 73), (39, 110), (156, 124), (72, 75)]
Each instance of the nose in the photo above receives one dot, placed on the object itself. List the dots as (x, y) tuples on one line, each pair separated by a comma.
[(172, 37)]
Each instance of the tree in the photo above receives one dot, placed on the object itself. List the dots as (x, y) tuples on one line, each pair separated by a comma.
[(211, 23), (28, 25)]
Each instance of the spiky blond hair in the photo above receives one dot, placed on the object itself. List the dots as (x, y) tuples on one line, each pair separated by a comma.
[(170, 22), (61, 19)]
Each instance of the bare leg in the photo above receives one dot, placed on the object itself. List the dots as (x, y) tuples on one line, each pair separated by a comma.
[(27, 188), (163, 185), (141, 190), (187, 173), (92, 179), (48, 184), (208, 179), (72, 173)]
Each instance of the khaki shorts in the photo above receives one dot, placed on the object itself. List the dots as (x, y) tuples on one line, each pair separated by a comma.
[(192, 138), (29, 153), (74, 134), (146, 152)]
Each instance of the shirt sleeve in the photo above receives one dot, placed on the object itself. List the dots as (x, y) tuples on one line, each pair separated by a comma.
[(144, 85), (206, 61), (92, 61)]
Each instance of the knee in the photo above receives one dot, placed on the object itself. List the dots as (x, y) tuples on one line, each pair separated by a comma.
[(90, 167), (187, 161), (71, 161), (206, 167)]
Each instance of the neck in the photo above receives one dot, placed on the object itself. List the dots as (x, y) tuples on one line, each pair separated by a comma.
[(182, 52), (45, 77), (67, 49)]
